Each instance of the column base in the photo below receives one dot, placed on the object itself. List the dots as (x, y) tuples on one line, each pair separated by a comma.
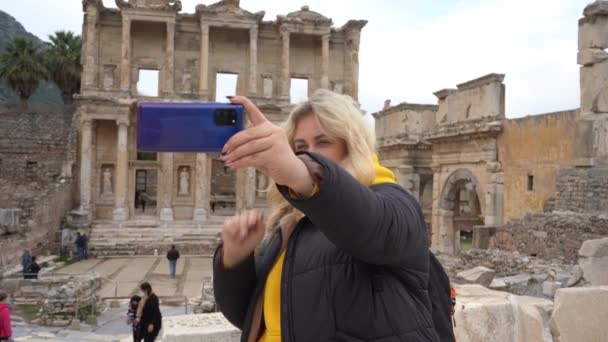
[(120, 214), (166, 214), (200, 215)]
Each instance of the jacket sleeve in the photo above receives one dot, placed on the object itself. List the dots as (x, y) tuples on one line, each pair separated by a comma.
[(380, 225), (233, 287), (5, 320)]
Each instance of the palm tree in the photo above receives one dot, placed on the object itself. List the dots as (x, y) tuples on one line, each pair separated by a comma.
[(22, 66), (63, 62)]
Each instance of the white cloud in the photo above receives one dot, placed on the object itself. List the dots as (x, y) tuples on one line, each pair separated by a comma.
[(411, 48)]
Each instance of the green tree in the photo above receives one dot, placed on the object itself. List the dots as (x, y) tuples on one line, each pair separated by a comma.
[(63, 62), (23, 67)]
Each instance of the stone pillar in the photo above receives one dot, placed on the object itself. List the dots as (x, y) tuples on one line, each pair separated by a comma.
[(447, 237), (170, 55), (253, 60), (435, 237), (166, 187), (121, 212), (91, 49), (352, 55), (202, 187), (325, 61), (408, 179), (125, 62), (86, 152), (245, 189), (285, 73), (204, 72)]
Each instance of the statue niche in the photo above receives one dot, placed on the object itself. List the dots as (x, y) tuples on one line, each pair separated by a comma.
[(184, 181)]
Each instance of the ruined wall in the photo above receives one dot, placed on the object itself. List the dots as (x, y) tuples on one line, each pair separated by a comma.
[(404, 122), (582, 190), (477, 99), (37, 157), (536, 146)]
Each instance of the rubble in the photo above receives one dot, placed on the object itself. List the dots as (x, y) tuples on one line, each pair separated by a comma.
[(593, 260), (478, 275), (580, 314)]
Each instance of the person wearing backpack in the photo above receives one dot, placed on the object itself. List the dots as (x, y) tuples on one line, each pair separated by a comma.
[(346, 256)]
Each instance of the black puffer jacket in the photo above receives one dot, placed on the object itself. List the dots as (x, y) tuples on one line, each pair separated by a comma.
[(356, 267)]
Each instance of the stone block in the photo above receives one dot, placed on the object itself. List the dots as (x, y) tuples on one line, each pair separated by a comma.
[(580, 314), (588, 57), (593, 33), (478, 275), (199, 327), (486, 315), (593, 259), (550, 287)]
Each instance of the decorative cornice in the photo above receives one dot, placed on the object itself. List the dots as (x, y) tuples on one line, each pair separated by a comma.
[(354, 25), (306, 16), (405, 106), (231, 8), (167, 5), (483, 80)]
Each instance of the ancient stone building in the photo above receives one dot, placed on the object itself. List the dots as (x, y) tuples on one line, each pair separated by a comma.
[(474, 171), (187, 52)]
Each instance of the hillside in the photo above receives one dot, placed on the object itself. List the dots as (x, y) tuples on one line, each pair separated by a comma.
[(48, 96)]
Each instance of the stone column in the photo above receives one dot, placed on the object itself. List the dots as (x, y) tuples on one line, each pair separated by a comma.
[(285, 73), (447, 237), (166, 187), (245, 189), (91, 50), (253, 60), (204, 71), (86, 142), (170, 54), (202, 187), (325, 61), (125, 62), (353, 57), (435, 224), (121, 212)]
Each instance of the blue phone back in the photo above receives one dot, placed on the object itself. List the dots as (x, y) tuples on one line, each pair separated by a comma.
[(184, 127)]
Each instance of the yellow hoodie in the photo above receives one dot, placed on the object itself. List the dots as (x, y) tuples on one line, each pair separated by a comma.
[(272, 290)]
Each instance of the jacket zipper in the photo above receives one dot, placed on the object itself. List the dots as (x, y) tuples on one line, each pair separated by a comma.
[(286, 277)]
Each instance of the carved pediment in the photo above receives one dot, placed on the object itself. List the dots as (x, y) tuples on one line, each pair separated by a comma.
[(229, 8), (166, 5), (305, 15)]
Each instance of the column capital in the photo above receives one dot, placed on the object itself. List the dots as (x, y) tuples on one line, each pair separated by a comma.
[(253, 30), (122, 122), (204, 27), (126, 20)]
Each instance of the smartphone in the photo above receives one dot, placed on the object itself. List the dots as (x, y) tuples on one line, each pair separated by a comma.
[(186, 126)]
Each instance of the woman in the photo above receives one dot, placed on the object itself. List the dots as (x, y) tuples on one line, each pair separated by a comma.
[(5, 319), (347, 258), (149, 317)]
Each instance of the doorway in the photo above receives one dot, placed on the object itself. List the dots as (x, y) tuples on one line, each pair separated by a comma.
[(146, 183)]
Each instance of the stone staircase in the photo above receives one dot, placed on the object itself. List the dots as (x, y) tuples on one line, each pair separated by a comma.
[(144, 236)]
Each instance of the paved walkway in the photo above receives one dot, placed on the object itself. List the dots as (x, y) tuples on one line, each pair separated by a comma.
[(126, 273)]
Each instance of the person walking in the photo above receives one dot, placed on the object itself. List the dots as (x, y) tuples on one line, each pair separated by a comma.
[(149, 317), (143, 198), (26, 259), (5, 319), (346, 255), (172, 256), (132, 317), (85, 245)]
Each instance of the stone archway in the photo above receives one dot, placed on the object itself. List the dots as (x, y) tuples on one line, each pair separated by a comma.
[(460, 209)]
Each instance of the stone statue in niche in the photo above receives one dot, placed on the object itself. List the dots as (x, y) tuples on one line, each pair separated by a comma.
[(107, 181), (184, 181)]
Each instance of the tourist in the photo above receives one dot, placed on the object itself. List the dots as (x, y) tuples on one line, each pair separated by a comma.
[(32, 270), (172, 256), (347, 257), (85, 245), (26, 259), (5, 319), (132, 317), (80, 245), (149, 317), (143, 198)]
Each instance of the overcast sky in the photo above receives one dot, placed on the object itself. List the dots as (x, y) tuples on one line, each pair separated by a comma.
[(412, 48)]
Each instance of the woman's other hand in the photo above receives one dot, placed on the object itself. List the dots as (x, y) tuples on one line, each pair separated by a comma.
[(241, 235)]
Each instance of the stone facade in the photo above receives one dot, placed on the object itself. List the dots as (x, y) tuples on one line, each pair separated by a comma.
[(189, 51)]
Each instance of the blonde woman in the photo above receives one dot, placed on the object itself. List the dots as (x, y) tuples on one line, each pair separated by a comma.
[(346, 257)]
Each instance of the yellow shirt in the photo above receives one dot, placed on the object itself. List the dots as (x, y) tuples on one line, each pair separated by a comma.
[(272, 289)]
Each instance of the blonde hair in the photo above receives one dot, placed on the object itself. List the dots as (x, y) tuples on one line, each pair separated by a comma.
[(340, 118)]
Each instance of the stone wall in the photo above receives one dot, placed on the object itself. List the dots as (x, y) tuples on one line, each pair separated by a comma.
[(582, 190), (553, 235), (533, 149), (37, 154)]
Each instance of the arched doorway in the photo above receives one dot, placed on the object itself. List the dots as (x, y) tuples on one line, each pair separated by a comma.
[(460, 210)]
